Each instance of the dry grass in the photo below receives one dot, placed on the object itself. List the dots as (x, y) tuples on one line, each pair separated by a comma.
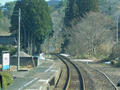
[(28, 66), (14, 68)]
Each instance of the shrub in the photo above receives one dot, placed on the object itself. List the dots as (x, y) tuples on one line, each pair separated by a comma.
[(4, 83), (114, 62), (81, 56), (11, 49), (105, 59), (118, 63), (7, 79)]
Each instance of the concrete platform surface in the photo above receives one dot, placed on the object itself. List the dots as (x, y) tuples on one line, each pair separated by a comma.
[(36, 79)]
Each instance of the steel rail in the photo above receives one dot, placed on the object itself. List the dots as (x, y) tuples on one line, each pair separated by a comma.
[(81, 79), (105, 76), (68, 74)]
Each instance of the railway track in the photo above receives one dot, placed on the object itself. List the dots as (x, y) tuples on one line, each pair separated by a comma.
[(73, 79), (80, 76), (95, 79)]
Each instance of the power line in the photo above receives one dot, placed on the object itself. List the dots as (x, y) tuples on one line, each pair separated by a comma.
[(30, 27), (28, 22), (25, 33)]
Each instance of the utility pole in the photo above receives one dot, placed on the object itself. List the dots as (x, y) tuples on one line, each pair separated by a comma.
[(48, 45), (45, 50), (18, 54), (117, 28), (117, 17)]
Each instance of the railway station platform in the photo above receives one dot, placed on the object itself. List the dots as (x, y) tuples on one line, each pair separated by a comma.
[(42, 77)]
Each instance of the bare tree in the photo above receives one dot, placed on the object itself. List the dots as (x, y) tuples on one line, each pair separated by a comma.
[(92, 31)]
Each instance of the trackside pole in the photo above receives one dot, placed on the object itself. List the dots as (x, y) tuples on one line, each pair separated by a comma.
[(18, 53)]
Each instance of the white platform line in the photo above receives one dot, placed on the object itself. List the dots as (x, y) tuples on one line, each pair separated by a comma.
[(28, 83), (49, 68), (42, 80), (54, 70)]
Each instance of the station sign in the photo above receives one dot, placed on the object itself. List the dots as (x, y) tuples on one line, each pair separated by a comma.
[(5, 60)]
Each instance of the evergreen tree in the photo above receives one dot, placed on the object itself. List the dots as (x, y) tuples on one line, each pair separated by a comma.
[(14, 18), (9, 8), (77, 8), (1, 14), (75, 11), (71, 12), (10, 5), (62, 3), (95, 6), (67, 15), (85, 6), (35, 14), (39, 17)]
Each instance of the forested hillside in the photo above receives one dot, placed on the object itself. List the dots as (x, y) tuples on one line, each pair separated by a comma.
[(89, 31), (81, 28)]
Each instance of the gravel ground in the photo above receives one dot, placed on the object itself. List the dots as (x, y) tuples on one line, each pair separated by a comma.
[(111, 71), (62, 79), (94, 80)]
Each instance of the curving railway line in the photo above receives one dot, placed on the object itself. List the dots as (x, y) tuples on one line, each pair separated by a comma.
[(80, 76), (73, 78)]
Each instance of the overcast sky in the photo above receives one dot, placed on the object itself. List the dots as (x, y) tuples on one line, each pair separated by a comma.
[(4, 1)]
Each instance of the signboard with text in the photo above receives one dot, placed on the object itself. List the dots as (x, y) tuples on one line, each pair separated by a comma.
[(5, 61)]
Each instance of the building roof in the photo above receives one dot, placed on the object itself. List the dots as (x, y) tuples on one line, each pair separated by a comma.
[(22, 54), (7, 40)]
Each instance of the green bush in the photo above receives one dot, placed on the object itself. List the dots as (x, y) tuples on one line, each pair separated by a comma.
[(7, 79), (118, 63), (11, 49), (4, 83), (105, 59), (114, 62)]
